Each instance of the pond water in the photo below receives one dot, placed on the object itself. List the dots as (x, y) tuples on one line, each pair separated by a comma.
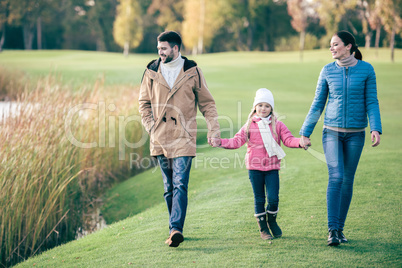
[(7, 108)]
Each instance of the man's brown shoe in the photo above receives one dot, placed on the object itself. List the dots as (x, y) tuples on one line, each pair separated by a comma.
[(175, 238)]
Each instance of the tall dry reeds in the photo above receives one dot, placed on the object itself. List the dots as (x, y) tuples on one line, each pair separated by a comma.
[(58, 150)]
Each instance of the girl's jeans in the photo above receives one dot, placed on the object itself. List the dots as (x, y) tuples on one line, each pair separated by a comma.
[(342, 152), (176, 173), (262, 181)]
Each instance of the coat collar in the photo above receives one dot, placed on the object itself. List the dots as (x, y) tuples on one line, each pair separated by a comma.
[(154, 65), (153, 68), (255, 119)]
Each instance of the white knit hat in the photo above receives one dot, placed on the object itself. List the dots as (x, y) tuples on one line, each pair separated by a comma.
[(264, 95)]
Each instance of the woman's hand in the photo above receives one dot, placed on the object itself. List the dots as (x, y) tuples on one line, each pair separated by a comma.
[(304, 142), (375, 138)]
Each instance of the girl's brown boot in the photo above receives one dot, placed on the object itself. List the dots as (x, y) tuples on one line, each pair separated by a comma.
[(262, 223)]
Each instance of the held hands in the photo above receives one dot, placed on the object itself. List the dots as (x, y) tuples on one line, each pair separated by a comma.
[(214, 142), (375, 138), (304, 142)]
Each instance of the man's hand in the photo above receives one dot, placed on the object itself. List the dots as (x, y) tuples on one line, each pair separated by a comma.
[(214, 142)]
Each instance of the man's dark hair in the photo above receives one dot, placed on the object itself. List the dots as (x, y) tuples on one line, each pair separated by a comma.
[(171, 37)]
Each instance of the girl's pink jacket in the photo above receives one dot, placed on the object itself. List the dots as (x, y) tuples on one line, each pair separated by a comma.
[(257, 157)]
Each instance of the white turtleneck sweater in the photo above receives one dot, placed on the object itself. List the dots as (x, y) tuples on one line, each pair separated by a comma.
[(171, 70)]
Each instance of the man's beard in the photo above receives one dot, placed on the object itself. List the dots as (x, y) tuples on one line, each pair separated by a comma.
[(169, 58)]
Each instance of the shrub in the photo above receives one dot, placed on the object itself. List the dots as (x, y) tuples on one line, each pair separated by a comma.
[(47, 178)]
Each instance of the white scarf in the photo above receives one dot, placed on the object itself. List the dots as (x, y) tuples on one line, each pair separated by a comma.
[(270, 143), (171, 70)]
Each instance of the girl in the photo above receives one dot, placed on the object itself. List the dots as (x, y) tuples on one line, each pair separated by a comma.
[(264, 134)]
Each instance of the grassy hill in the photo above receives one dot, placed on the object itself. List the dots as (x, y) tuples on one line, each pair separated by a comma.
[(220, 229)]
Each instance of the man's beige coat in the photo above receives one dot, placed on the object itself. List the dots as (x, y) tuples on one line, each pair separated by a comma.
[(169, 115)]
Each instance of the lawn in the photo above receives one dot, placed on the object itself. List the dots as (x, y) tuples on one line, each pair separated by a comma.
[(220, 229)]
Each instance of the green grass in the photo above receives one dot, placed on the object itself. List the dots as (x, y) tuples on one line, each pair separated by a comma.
[(220, 229), (78, 67)]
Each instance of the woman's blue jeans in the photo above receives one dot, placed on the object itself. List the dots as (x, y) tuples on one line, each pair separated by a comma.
[(262, 181), (342, 152), (175, 174)]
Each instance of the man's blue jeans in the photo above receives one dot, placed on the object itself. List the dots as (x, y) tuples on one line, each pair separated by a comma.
[(342, 152), (175, 174), (262, 181)]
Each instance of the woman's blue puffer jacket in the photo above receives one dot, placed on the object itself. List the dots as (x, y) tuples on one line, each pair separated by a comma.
[(352, 97)]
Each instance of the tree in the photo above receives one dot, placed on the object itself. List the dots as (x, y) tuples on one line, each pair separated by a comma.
[(390, 14), (252, 25), (331, 13), (366, 12), (27, 13), (100, 15), (375, 23), (127, 28), (272, 25), (254, 15), (4, 11), (193, 24), (299, 11), (198, 16), (167, 13), (30, 16)]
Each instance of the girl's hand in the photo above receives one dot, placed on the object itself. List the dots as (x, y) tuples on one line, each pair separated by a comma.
[(375, 138), (304, 142), (214, 142)]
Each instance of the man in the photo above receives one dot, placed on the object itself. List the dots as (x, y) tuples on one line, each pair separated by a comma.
[(171, 89)]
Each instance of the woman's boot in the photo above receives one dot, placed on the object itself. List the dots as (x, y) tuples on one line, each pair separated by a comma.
[(333, 239), (262, 223), (342, 237), (276, 231)]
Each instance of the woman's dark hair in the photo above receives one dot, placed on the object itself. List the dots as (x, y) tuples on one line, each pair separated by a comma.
[(171, 37), (347, 38)]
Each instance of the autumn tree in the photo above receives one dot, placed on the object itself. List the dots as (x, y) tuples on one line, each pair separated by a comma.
[(367, 13), (299, 11), (375, 23), (390, 14), (331, 13), (201, 21), (167, 13), (193, 25), (127, 28)]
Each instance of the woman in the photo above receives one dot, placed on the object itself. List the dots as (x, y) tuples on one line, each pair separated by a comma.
[(350, 86)]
